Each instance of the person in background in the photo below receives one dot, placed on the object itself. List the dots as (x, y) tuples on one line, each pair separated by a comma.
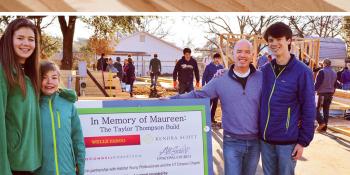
[(208, 74), (124, 78), (183, 72), (345, 77), (110, 67), (102, 63), (155, 68), (317, 69), (325, 85), (119, 68), (339, 77), (130, 75), (263, 60)]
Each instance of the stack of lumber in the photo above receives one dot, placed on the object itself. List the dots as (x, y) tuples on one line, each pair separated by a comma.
[(342, 94)]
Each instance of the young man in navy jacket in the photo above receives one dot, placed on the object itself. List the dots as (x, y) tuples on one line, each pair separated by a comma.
[(288, 107), (208, 74), (183, 72)]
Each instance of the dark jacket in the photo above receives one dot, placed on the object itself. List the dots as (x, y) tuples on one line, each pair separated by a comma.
[(184, 71), (345, 76), (288, 99), (155, 66), (209, 72), (102, 64), (119, 67), (326, 81), (130, 73), (339, 75)]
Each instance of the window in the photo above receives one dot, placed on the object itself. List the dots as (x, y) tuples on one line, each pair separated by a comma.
[(142, 38)]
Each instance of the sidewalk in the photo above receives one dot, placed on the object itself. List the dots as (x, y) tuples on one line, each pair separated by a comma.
[(328, 153)]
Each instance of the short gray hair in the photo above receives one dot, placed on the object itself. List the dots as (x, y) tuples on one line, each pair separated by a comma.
[(242, 41), (327, 62)]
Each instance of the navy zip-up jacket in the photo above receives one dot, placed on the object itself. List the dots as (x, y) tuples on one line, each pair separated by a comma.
[(209, 72), (288, 109), (184, 71)]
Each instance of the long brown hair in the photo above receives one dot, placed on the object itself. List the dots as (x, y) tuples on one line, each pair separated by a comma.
[(12, 68)]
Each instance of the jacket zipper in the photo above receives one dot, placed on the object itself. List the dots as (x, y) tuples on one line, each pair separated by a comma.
[(268, 105), (54, 136), (58, 119), (288, 119), (243, 87), (246, 84)]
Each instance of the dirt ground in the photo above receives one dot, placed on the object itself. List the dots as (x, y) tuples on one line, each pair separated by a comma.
[(146, 90), (143, 90)]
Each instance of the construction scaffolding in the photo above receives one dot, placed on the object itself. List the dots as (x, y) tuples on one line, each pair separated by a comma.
[(306, 49)]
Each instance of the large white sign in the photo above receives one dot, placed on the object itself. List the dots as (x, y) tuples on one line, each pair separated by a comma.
[(165, 140)]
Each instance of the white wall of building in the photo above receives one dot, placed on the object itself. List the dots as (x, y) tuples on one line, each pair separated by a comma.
[(144, 42)]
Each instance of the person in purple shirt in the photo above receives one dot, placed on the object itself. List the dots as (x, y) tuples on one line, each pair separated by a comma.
[(208, 74)]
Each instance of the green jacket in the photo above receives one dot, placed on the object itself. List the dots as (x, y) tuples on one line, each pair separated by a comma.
[(20, 128), (63, 141)]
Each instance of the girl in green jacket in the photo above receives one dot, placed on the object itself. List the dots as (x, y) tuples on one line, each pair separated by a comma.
[(63, 141), (20, 126)]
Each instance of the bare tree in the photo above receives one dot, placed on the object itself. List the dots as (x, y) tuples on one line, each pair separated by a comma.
[(300, 25), (325, 26), (4, 21), (257, 24), (321, 26), (242, 22), (216, 26), (155, 25), (224, 24), (346, 33)]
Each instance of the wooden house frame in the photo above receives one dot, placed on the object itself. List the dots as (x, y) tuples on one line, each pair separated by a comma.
[(305, 48)]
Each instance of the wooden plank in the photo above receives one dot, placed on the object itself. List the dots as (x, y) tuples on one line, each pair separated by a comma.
[(340, 129), (57, 5), (177, 5), (14, 5), (290, 5), (98, 5), (237, 5), (144, 5), (224, 6), (35, 5), (342, 94), (190, 6)]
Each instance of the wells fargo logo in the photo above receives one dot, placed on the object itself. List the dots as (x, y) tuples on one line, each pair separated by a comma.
[(106, 141)]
